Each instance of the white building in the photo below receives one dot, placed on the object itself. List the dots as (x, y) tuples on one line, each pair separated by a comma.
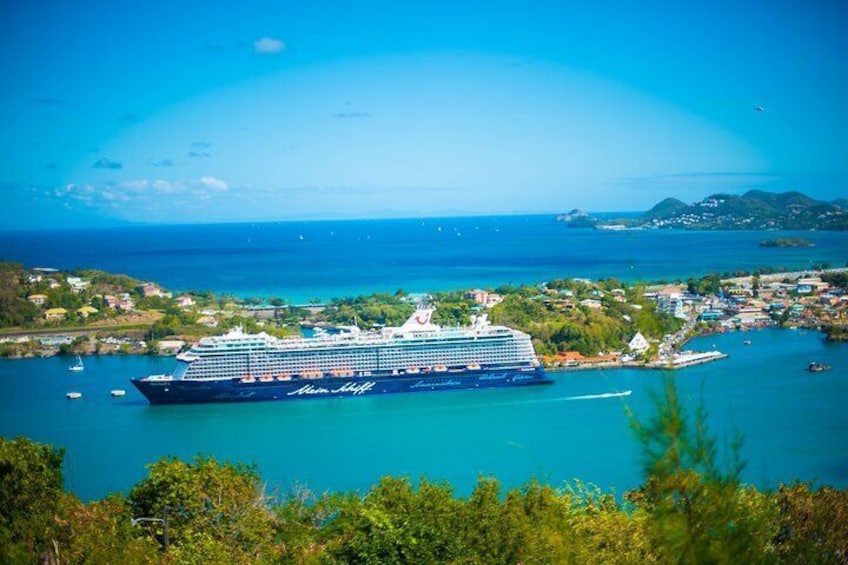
[(638, 344), (77, 284)]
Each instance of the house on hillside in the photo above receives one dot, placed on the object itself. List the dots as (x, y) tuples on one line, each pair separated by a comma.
[(619, 295), (484, 297), (208, 321), (37, 299), (77, 284), (55, 314), (87, 311), (124, 302), (638, 344), (149, 289)]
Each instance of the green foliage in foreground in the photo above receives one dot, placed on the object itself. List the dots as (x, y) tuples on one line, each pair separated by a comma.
[(689, 510)]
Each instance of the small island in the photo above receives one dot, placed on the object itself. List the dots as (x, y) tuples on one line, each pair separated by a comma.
[(787, 242)]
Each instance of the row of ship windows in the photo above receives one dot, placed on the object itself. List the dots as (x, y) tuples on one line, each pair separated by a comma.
[(259, 364), (429, 342), (477, 355), (355, 360), (396, 353), (274, 371)]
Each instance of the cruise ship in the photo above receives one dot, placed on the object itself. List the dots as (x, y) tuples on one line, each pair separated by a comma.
[(418, 356)]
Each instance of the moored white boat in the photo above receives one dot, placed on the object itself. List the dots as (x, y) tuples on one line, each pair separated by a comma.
[(78, 366)]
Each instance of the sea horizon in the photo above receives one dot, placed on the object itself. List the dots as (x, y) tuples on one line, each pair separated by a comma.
[(125, 224), (302, 261)]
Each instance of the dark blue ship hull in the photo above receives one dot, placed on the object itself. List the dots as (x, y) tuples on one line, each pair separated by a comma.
[(160, 391)]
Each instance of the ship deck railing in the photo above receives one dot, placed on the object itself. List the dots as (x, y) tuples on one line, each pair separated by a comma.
[(158, 378), (384, 373), (360, 340)]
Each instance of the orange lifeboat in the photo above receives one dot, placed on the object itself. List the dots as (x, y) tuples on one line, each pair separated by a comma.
[(248, 379), (412, 370), (284, 377)]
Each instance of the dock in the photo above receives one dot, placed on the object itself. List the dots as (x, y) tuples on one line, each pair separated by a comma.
[(687, 359)]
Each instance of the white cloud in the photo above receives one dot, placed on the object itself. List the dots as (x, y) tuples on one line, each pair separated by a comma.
[(213, 184), (268, 46), (76, 191), (113, 197), (140, 190), (133, 185), (165, 187)]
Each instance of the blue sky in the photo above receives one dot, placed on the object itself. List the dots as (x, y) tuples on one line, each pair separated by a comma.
[(183, 112)]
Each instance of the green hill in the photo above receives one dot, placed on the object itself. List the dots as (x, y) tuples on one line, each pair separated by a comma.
[(665, 209), (756, 209), (841, 203)]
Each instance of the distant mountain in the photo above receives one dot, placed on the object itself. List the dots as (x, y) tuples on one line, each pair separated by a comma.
[(756, 209), (664, 209)]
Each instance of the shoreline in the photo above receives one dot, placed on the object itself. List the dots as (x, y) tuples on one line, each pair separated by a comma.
[(128, 332), (586, 366)]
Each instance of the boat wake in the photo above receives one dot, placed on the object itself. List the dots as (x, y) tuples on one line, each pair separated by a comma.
[(604, 395), (467, 405), (564, 398)]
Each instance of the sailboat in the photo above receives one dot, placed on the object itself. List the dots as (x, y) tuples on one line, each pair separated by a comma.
[(78, 366)]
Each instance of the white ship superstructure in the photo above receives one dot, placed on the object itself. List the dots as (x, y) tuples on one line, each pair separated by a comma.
[(416, 346)]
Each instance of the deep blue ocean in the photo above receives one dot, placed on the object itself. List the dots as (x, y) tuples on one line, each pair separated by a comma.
[(794, 423), (299, 261)]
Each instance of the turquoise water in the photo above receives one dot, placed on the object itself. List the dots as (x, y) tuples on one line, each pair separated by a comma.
[(793, 422)]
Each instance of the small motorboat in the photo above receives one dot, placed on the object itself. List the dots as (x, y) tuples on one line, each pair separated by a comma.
[(117, 392), (74, 395), (816, 367)]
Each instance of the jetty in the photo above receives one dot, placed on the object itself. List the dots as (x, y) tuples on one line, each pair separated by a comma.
[(683, 359)]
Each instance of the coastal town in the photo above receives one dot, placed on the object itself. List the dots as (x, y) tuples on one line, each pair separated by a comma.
[(754, 210), (99, 313)]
